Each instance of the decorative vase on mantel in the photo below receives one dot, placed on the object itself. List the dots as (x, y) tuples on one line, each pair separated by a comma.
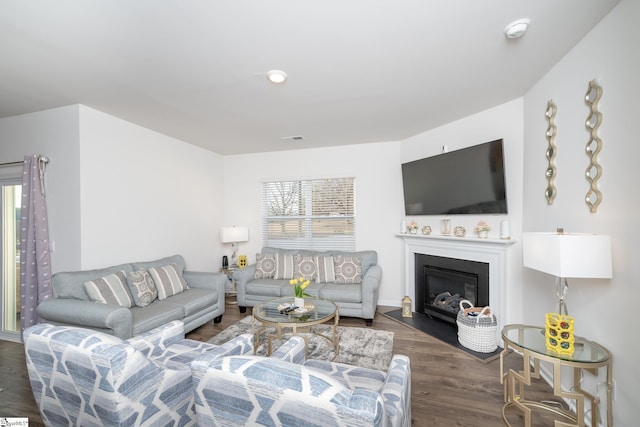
[(482, 229), (298, 302)]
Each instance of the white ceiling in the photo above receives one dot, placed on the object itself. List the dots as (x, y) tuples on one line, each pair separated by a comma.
[(359, 70)]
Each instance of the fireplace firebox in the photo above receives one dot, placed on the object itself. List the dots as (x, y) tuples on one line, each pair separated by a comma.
[(441, 283)]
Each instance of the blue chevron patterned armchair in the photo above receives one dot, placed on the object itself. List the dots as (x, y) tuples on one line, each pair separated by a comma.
[(84, 377), (287, 390)]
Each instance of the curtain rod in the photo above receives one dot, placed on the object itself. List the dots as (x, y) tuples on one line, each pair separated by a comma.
[(42, 158)]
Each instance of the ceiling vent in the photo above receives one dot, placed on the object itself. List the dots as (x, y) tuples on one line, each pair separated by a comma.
[(296, 138)]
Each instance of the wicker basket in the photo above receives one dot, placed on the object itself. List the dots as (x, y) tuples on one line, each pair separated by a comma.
[(477, 328)]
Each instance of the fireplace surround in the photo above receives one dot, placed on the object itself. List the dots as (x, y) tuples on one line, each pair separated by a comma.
[(493, 252)]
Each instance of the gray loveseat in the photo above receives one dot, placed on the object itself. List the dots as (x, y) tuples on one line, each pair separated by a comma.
[(358, 299), (72, 304)]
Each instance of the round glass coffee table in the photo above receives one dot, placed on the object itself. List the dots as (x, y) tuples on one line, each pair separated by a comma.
[(316, 311)]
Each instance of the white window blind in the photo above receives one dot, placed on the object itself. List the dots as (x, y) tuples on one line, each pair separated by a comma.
[(316, 214)]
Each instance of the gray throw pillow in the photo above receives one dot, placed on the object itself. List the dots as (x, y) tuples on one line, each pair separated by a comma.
[(305, 267), (348, 269), (284, 266), (142, 288), (326, 272), (265, 266), (168, 281), (110, 289)]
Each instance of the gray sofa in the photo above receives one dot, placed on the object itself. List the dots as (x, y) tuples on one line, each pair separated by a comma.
[(352, 299), (71, 304)]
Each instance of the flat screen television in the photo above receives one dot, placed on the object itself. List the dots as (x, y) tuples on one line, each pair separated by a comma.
[(466, 181)]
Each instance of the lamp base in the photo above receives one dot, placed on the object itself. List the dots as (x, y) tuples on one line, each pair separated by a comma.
[(562, 288)]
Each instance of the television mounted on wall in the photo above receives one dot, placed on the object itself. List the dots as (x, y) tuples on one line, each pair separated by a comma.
[(467, 181)]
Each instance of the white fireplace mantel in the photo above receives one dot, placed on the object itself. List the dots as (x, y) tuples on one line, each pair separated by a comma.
[(491, 251)]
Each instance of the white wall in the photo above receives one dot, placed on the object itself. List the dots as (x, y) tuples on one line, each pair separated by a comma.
[(145, 195), (504, 121), (379, 200), (379, 209), (117, 192), (53, 133), (604, 310)]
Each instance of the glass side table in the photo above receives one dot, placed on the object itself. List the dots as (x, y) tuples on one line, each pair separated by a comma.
[(530, 342)]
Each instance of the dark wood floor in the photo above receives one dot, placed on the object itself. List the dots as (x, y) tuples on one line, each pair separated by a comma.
[(449, 387)]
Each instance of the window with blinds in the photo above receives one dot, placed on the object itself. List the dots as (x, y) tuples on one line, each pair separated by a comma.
[(317, 214)]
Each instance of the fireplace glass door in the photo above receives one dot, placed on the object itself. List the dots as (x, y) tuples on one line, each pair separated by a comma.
[(442, 283)]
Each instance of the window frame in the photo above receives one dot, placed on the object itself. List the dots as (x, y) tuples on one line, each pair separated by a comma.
[(10, 329), (303, 227)]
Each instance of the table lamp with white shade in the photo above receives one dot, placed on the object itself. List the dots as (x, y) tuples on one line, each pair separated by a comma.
[(568, 255)]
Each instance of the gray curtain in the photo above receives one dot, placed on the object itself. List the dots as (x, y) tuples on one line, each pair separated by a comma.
[(35, 267)]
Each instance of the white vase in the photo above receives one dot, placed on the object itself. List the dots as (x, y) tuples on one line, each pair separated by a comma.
[(483, 234), (298, 302)]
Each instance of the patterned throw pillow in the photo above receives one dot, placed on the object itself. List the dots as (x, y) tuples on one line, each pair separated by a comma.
[(325, 269), (110, 289), (305, 267), (284, 266), (265, 266), (142, 287), (348, 269), (168, 280)]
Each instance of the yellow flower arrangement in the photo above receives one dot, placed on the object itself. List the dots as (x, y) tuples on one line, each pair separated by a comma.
[(299, 285)]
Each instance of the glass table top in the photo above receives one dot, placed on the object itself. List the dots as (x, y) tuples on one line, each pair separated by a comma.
[(532, 338), (317, 310)]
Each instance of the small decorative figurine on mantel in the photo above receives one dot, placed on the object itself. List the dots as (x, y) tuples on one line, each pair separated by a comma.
[(482, 229)]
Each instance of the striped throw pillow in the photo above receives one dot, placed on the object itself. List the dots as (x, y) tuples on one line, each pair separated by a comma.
[(110, 289), (168, 280), (284, 266), (325, 269)]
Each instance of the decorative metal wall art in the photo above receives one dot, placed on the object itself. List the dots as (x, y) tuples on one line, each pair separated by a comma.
[(593, 172), (550, 113)]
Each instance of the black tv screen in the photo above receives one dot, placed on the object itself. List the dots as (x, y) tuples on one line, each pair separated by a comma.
[(466, 181)]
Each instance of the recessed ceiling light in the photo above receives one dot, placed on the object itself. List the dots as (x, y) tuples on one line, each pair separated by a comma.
[(277, 76), (516, 29)]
